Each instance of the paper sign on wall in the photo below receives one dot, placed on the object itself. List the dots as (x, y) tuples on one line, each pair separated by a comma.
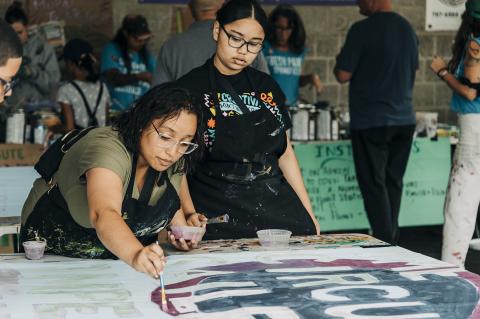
[(444, 15)]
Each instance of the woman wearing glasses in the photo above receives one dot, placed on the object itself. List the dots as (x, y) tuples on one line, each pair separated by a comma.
[(127, 64), (285, 51), (116, 187), (249, 170)]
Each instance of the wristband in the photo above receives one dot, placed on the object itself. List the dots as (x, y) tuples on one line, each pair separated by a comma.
[(442, 72)]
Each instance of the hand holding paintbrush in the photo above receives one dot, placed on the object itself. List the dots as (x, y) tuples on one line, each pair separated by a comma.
[(200, 220), (164, 296), (162, 291), (219, 219)]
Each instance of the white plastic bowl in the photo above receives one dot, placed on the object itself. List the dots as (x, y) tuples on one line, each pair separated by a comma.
[(274, 237), (34, 249)]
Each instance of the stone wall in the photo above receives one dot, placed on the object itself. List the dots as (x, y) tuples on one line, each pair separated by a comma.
[(326, 29)]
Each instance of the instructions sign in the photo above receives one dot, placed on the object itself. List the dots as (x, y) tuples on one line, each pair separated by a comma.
[(329, 175)]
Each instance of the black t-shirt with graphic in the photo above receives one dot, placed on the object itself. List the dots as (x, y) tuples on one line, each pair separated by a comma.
[(265, 93)]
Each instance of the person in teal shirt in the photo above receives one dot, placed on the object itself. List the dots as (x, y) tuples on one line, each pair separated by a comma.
[(285, 51), (462, 74), (126, 64)]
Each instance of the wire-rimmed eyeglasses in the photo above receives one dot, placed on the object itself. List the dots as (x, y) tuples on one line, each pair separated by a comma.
[(166, 141)]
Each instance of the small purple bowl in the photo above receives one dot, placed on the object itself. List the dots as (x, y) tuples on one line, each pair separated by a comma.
[(188, 232)]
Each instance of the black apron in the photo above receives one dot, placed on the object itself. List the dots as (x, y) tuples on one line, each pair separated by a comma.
[(52, 220), (241, 177)]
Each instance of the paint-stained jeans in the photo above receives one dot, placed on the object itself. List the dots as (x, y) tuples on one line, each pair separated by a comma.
[(463, 193)]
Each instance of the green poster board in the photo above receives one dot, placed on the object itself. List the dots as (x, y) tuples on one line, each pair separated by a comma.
[(329, 176)]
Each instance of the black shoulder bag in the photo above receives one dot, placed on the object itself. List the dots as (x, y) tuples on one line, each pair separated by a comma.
[(50, 160), (92, 120)]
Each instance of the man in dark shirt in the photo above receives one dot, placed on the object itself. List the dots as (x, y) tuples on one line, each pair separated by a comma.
[(379, 59)]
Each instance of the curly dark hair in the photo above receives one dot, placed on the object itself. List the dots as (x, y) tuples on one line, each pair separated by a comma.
[(296, 42), (165, 102), (469, 26)]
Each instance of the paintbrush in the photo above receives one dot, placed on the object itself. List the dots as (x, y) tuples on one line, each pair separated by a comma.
[(164, 297), (162, 287), (219, 219)]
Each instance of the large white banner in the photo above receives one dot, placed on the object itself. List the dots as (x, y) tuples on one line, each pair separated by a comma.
[(389, 282), (443, 15)]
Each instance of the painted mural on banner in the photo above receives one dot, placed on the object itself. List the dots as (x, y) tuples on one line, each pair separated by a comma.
[(301, 285), (443, 15), (324, 241), (293, 2), (389, 282)]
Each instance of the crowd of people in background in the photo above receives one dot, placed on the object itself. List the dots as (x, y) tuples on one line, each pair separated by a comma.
[(230, 77), (128, 68)]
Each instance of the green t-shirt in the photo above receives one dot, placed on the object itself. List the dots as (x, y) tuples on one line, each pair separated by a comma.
[(100, 148)]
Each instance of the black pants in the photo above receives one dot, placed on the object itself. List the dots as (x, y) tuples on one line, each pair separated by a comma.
[(381, 155)]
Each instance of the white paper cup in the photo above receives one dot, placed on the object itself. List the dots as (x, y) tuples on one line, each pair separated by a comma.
[(34, 249)]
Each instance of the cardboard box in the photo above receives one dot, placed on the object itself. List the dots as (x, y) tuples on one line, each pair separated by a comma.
[(20, 154), (6, 244)]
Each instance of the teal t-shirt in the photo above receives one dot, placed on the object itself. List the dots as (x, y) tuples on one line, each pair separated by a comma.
[(459, 104), (285, 67), (123, 96)]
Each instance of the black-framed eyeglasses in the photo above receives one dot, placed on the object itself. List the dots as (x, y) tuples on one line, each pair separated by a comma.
[(166, 141), (7, 85), (237, 42)]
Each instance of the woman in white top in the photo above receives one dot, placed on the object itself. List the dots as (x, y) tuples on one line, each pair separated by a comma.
[(85, 99)]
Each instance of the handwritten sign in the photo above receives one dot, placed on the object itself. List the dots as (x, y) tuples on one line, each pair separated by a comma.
[(443, 15), (329, 176), (19, 154)]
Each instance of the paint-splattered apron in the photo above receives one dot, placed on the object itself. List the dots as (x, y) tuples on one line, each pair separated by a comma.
[(53, 221), (241, 176)]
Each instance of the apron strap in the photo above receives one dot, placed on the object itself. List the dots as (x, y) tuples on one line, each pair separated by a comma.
[(131, 182), (147, 189)]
